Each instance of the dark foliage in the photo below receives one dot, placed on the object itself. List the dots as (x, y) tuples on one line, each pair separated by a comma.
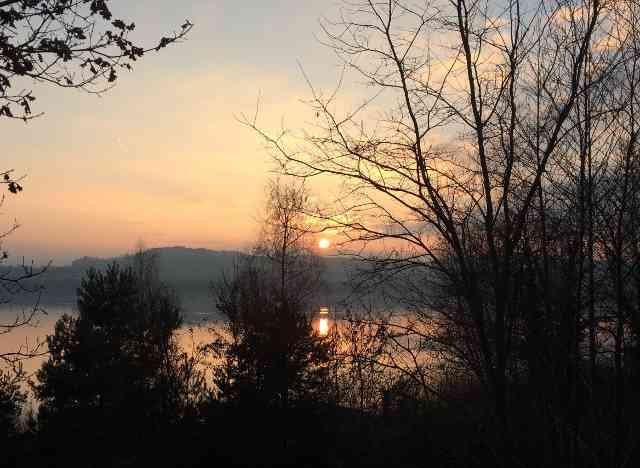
[(271, 354), (111, 361), (65, 43), (12, 397)]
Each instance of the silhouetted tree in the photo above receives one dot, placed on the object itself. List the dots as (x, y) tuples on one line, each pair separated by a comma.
[(478, 166), (114, 359), (12, 397), (271, 354), (14, 281), (69, 44)]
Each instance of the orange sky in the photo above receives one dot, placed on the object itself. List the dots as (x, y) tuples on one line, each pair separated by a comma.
[(161, 158)]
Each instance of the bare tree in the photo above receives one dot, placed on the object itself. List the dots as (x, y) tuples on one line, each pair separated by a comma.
[(67, 44), (286, 239), (269, 351), (14, 281), (459, 162)]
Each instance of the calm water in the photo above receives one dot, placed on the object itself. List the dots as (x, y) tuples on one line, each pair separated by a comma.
[(197, 329), (196, 324)]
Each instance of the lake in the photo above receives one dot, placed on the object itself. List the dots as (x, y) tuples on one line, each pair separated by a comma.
[(196, 320)]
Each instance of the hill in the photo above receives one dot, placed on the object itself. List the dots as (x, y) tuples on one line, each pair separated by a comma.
[(191, 272)]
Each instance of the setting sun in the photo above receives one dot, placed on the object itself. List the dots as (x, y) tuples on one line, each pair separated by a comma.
[(344, 232), (324, 243)]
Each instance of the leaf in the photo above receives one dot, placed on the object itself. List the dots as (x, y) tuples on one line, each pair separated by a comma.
[(164, 42), (14, 187)]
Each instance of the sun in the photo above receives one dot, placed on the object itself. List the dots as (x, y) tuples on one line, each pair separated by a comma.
[(324, 243)]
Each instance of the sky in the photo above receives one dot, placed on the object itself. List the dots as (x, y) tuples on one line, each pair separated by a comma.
[(162, 158)]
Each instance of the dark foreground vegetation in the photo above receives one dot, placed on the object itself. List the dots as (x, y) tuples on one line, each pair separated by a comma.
[(491, 183), (268, 390)]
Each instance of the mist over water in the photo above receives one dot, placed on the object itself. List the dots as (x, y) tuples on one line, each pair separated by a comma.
[(191, 273)]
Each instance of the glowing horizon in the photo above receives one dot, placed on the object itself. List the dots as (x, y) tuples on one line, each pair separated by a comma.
[(162, 157)]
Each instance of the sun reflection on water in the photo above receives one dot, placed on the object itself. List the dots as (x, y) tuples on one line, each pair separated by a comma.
[(323, 326)]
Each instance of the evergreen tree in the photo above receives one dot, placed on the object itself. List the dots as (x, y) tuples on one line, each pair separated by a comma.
[(12, 399), (115, 357)]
